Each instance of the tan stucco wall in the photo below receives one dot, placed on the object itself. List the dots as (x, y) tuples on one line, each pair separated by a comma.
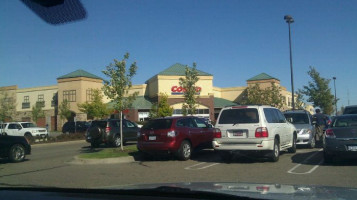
[(47, 91), (81, 85)]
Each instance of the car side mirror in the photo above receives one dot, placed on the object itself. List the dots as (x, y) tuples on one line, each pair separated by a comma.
[(210, 126)]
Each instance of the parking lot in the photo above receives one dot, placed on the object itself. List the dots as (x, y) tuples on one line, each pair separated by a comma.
[(52, 165)]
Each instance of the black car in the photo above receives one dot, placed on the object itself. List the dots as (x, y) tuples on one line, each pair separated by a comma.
[(72, 127), (340, 139), (108, 131), (14, 147)]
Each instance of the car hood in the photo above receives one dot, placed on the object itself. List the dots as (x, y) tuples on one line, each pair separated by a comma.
[(255, 190)]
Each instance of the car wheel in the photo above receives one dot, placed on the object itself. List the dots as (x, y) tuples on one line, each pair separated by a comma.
[(184, 153), (276, 151), (29, 138), (17, 153), (293, 148), (117, 141), (312, 143), (328, 158)]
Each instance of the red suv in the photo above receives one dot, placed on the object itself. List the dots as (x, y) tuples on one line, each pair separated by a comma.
[(176, 135)]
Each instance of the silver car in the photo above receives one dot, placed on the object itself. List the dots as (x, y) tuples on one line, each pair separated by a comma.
[(302, 120)]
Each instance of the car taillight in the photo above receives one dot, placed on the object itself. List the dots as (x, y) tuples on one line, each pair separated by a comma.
[(107, 130), (330, 134), (217, 133), (261, 132)]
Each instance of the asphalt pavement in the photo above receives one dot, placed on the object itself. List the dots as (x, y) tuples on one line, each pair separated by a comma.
[(55, 165)]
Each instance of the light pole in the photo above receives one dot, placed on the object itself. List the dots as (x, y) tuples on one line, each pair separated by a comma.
[(334, 84), (290, 20)]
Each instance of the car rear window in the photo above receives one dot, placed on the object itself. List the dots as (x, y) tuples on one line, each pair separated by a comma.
[(239, 116), (297, 118), (101, 124), (345, 122), (158, 124)]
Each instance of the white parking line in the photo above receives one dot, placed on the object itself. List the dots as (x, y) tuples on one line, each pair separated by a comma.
[(291, 171), (193, 167)]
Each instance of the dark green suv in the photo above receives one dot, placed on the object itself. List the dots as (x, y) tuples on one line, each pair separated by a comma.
[(108, 131)]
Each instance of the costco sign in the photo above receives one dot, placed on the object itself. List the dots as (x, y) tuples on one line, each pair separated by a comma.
[(175, 90)]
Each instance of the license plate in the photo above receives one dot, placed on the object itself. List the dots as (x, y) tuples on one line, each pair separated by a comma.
[(152, 137), (352, 148), (238, 133)]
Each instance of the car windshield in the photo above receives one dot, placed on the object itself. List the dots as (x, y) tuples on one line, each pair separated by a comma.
[(297, 118), (201, 88), (28, 125), (235, 116)]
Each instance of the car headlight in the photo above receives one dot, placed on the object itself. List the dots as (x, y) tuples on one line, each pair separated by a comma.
[(34, 131)]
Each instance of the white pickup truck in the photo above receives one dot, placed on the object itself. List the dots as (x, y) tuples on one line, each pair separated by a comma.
[(27, 129)]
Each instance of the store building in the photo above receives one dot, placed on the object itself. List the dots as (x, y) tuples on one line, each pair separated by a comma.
[(76, 86)]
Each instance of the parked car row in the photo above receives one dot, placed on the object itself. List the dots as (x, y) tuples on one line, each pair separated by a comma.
[(239, 129), (252, 129)]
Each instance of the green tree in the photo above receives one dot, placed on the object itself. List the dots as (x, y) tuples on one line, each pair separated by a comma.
[(37, 112), (118, 86), (318, 92), (268, 96), (7, 106), (189, 85), (162, 109), (95, 109), (65, 110), (299, 103)]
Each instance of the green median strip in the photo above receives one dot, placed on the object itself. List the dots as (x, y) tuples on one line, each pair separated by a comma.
[(110, 153)]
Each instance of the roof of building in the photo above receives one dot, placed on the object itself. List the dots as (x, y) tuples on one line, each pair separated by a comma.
[(79, 73), (140, 102), (179, 70), (262, 76), (221, 103)]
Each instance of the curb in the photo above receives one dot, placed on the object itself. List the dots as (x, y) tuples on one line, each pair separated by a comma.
[(57, 143), (82, 161)]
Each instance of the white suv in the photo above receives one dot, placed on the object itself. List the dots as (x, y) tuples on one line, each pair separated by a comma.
[(27, 129), (253, 129)]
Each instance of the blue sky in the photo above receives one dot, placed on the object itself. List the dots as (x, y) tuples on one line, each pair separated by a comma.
[(233, 40)]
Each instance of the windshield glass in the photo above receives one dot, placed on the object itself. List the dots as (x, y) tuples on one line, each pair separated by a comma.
[(158, 124), (347, 121), (297, 118), (234, 116), (200, 86)]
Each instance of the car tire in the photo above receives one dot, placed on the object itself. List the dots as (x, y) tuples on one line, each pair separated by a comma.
[(328, 158), (274, 157), (185, 151), (29, 138), (17, 153), (95, 132), (116, 141), (312, 143), (293, 148)]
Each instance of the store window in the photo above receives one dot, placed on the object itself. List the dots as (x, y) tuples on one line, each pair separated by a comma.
[(69, 95)]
